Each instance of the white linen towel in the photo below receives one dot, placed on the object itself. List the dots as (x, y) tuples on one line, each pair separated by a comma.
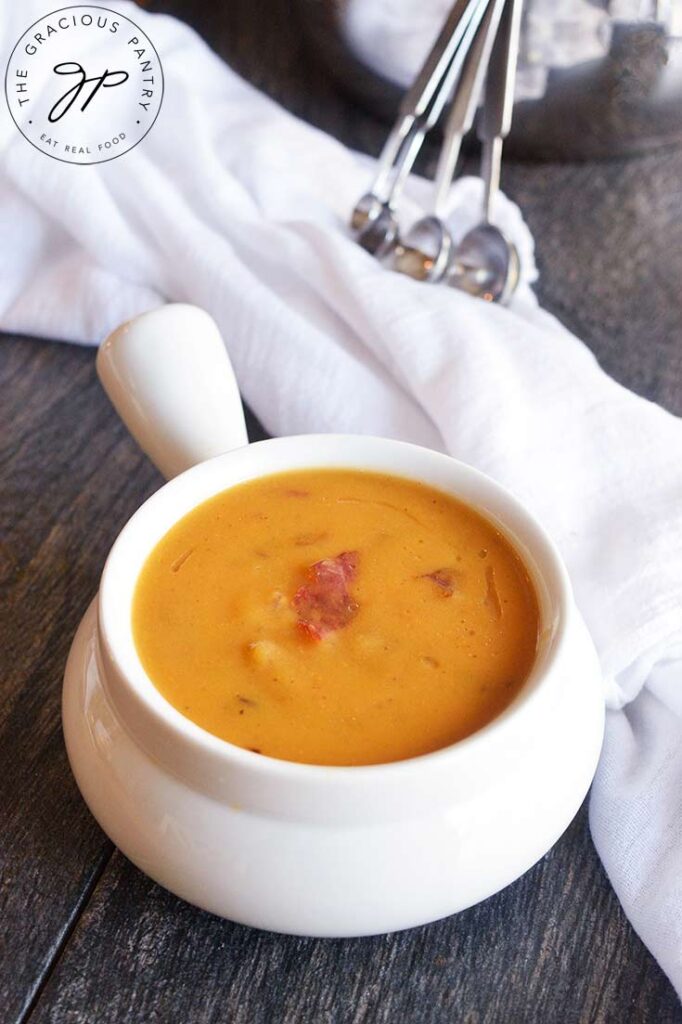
[(236, 206)]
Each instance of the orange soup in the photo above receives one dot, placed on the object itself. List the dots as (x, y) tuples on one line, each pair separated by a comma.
[(336, 617)]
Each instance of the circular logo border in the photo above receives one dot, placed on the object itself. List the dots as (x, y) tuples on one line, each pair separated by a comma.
[(115, 156)]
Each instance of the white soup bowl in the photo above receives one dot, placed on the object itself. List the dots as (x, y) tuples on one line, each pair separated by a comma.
[(299, 848)]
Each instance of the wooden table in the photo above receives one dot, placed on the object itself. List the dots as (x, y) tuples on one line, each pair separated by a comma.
[(88, 938)]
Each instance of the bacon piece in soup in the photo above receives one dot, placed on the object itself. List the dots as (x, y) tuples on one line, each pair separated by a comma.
[(323, 603), (447, 580)]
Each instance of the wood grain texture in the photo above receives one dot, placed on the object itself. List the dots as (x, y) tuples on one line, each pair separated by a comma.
[(59, 513), (552, 948), (87, 938), (71, 477)]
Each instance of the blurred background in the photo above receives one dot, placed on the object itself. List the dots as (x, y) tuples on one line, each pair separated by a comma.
[(593, 158)]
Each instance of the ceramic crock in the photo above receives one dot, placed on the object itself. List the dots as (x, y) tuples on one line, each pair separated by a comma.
[(305, 849)]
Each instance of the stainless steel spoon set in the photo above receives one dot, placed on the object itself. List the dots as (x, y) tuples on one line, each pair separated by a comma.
[(478, 42)]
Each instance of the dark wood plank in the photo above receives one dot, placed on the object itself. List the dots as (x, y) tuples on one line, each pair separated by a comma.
[(71, 477), (553, 947), (609, 247), (70, 480)]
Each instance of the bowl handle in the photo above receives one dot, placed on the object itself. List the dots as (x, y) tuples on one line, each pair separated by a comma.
[(169, 377)]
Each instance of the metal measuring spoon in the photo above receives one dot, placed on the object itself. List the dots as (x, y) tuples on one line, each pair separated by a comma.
[(424, 252), (375, 224), (373, 220), (486, 263)]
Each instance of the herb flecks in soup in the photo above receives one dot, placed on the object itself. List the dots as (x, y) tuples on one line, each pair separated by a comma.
[(336, 617)]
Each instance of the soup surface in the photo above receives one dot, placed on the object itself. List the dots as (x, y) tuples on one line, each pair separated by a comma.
[(336, 617)]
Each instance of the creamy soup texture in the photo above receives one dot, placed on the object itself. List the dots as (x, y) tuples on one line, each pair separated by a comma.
[(336, 617)]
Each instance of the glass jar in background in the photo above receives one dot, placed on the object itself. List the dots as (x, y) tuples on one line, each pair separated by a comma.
[(596, 78)]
